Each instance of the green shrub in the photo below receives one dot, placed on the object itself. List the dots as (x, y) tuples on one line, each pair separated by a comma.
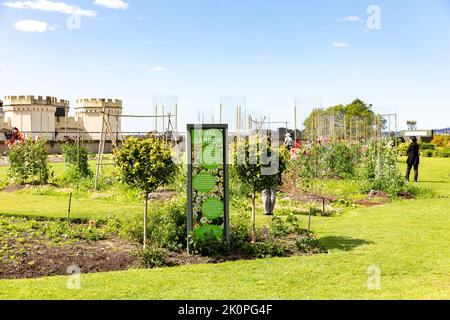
[(208, 244), (265, 249), (323, 160), (145, 164), (443, 152), (428, 153), (280, 227), (378, 170), (239, 189), (441, 141), (28, 162), (113, 225), (240, 230), (403, 148), (307, 244), (153, 257), (338, 159), (427, 146), (76, 157), (166, 226)]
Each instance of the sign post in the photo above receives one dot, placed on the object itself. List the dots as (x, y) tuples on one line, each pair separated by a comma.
[(207, 182)]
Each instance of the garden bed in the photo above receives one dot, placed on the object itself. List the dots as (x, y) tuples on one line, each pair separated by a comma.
[(37, 258), (33, 249)]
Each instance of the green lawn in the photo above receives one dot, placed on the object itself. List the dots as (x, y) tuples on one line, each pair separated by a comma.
[(434, 174), (52, 203), (407, 239), (56, 207)]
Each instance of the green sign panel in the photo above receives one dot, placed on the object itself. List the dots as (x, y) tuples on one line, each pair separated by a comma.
[(207, 181)]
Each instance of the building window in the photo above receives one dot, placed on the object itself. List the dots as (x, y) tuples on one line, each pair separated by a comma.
[(60, 112)]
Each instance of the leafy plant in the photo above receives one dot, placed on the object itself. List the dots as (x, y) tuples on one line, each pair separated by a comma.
[(265, 249), (252, 161), (307, 244), (57, 231), (379, 171), (428, 153), (282, 227), (441, 141), (28, 162), (427, 146), (402, 148), (147, 165), (153, 257), (208, 244), (443, 152), (166, 226), (324, 159), (76, 158)]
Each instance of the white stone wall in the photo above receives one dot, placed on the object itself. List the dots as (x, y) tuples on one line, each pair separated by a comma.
[(33, 120)]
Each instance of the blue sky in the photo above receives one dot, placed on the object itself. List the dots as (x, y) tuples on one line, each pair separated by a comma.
[(269, 51)]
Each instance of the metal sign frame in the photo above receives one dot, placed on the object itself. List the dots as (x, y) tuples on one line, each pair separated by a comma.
[(189, 209)]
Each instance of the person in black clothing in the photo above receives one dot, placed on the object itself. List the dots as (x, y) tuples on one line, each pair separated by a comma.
[(413, 159)]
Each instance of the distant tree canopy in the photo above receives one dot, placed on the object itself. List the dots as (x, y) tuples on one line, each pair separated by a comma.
[(356, 119), (412, 124)]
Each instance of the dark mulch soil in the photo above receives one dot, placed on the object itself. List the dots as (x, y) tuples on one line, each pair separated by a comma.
[(36, 257), (42, 259), (406, 195)]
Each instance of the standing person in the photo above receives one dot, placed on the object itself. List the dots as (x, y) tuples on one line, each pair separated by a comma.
[(288, 143), (269, 195), (413, 159)]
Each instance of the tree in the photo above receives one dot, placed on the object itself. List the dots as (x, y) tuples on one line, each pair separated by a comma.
[(412, 124), (147, 165), (254, 160), (344, 120)]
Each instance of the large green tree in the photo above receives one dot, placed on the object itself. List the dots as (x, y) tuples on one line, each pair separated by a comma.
[(355, 119)]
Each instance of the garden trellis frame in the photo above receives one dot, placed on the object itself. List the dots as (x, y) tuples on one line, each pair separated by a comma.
[(389, 117), (107, 130), (260, 124)]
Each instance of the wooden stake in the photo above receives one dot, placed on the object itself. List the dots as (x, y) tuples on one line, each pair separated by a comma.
[(253, 216), (145, 219), (309, 219), (68, 210)]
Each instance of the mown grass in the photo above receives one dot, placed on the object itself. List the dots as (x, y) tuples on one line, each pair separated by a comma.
[(52, 202), (407, 239)]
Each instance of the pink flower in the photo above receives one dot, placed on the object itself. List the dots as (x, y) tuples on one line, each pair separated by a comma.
[(364, 149)]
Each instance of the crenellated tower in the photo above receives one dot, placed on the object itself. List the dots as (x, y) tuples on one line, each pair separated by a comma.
[(34, 115), (89, 112)]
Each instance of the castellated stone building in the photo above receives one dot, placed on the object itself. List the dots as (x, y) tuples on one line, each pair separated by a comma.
[(48, 117)]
